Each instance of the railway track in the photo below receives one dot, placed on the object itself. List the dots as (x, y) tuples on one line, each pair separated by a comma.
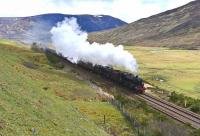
[(172, 110), (176, 112)]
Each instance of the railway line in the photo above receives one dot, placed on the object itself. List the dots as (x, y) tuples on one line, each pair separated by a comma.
[(134, 83), (172, 110)]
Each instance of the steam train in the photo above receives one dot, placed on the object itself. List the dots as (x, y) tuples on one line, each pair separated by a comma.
[(125, 79)]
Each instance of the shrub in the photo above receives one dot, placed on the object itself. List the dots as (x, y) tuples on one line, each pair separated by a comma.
[(196, 133), (196, 107), (36, 47), (179, 99)]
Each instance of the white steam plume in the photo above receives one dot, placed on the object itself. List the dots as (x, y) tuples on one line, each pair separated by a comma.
[(71, 42)]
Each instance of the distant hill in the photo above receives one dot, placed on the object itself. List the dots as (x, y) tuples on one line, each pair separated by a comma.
[(38, 27), (177, 28)]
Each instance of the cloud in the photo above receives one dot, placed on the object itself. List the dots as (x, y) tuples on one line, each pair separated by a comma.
[(176, 3), (127, 10)]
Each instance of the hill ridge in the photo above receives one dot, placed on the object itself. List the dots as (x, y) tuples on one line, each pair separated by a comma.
[(36, 28), (176, 28)]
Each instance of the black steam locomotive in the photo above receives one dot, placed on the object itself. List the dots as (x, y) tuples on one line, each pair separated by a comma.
[(124, 79)]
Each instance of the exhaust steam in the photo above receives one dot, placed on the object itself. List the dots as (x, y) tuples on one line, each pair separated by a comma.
[(69, 40)]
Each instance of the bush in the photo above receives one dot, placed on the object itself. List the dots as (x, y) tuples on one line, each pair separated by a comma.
[(179, 99), (196, 133), (195, 107), (36, 47), (122, 99), (55, 61)]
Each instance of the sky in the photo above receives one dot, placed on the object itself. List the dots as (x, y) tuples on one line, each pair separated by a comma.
[(126, 10)]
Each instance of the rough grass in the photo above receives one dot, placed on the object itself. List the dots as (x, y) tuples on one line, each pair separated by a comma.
[(97, 111), (37, 99), (179, 69)]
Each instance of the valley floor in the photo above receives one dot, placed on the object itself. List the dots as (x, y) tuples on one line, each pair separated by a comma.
[(172, 70)]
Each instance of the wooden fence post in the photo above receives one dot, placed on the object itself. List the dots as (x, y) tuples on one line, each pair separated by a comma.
[(185, 104), (104, 119)]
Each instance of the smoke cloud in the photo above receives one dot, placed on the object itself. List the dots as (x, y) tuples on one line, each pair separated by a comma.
[(69, 40), (38, 32)]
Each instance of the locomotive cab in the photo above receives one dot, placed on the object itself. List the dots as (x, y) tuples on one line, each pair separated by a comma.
[(140, 85)]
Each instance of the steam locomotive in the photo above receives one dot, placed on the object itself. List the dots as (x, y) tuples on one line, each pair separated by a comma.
[(125, 79)]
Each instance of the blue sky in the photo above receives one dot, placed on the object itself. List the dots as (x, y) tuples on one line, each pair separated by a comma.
[(127, 10)]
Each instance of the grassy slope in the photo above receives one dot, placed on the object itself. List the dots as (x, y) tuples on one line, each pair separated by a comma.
[(180, 69), (41, 100)]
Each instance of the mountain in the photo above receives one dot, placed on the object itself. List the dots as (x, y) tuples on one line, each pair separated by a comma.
[(176, 28), (38, 27)]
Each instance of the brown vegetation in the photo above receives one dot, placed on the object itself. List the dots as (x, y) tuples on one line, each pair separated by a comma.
[(177, 28)]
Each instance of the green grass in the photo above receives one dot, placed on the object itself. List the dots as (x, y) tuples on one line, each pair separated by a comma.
[(112, 118), (180, 69), (38, 99)]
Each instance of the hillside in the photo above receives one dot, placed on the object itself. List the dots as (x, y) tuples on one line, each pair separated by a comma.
[(177, 28), (40, 96), (36, 28), (37, 98)]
